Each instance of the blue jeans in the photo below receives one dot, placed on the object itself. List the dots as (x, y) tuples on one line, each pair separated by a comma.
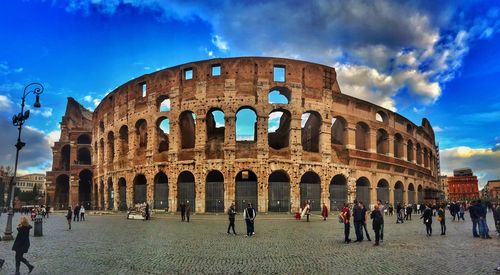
[(483, 228), (382, 232), (347, 228), (475, 223), (358, 227)]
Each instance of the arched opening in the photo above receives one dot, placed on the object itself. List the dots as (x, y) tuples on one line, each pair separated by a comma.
[(111, 194), (419, 154), (246, 124), (83, 139), (279, 192), (398, 146), (214, 192), (124, 140), (411, 193), (65, 157), (310, 190), (95, 197), (279, 95), (111, 146), (420, 194), (61, 198), (382, 142), (398, 193), (339, 131), (381, 117), (141, 133), (215, 134), (83, 156), (363, 190), (278, 130), (426, 158), (186, 190), (85, 188), (163, 103), (338, 192), (140, 189), (101, 127), (163, 130), (310, 132), (161, 191), (383, 190), (409, 151), (101, 195), (187, 126), (122, 190), (101, 151), (246, 189), (409, 129), (362, 136)]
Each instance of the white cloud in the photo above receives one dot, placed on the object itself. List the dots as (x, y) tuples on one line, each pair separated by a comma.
[(5, 69), (220, 43), (87, 98), (437, 129), (96, 102), (53, 136), (5, 103)]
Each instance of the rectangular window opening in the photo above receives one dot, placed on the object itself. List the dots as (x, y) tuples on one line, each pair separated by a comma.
[(279, 73), (216, 70), (188, 74), (144, 89)]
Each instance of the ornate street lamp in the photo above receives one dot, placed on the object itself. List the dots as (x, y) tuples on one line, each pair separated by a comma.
[(18, 120)]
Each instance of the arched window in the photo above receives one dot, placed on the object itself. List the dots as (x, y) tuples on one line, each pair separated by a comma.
[(278, 130), (101, 151), (215, 125), (311, 129), (124, 140), (83, 139), (381, 116), (398, 146), (246, 124), (111, 145), (163, 103), (187, 124), (419, 154), (382, 142), (279, 95), (65, 157), (338, 135), (101, 127), (362, 136), (409, 150), (83, 156), (163, 130), (141, 131)]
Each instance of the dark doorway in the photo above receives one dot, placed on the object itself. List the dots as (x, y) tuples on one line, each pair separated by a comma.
[(279, 192), (122, 190), (398, 193), (363, 190), (310, 190), (85, 188), (61, 199), (186, 190), (382, 190), (246, 190), (140, 189), (338, 192), (214, 192), (161, 191)]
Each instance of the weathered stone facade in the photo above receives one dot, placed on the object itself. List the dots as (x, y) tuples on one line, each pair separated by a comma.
[(329, 147)]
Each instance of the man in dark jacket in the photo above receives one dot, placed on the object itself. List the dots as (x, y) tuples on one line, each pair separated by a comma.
[(483, 226), (249, 216), (357, 214), (76, 212), (231, 212), (183, 212), (474, 218)]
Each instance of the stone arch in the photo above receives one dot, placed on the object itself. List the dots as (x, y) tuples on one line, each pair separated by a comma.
[(83, 156), (111, 194), (362, 136), (278, 130), (339, 131), (246, 189), (101, 151), (122, 193), (101, 127), (140, 188), (124, 140), (363, 190), (419, 154), (338, 192), (83, 139), (61, 196), (383, 190), (426, 157), (311, 131), (216, 131), (85, 188), (187, 125), (163, 132), (246, 124), (161, 191), (398, 145), (409, 151), (278, 192), (186, 190), (279, 95), (65, 157), (381, 116), (409, 129), (398, 193), (163, 103), (420, 194), (411, 193), (111, 145), (214, 192), (141, 132), (382, 141), (310, 190)]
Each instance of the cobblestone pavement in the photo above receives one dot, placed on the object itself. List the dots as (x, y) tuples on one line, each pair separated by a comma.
[(110, 244)]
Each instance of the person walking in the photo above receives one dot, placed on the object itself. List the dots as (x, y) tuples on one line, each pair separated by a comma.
[(399, 213), (461, 211), (68, 216), (427, 216), (146, 210), (324, 212), (357, 215), (307, 210), (82, 213), (441, 219), (496, 217), (188, 211), (481, 212), (22, 244), (249, 216), (345, 218), (183, 212), (377, 222), (365, 215), (76, 212), (474, 218), (381, 209), (409, 210), (231, 212)]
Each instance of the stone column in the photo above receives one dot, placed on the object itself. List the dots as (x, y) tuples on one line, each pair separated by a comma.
[(350, 136), (391, 195), (116, 193), (391, 146), (351, 189), (372, 143), (404, 151)]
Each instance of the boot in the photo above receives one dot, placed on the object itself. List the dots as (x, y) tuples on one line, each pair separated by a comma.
[(1, 262), (30, 267)]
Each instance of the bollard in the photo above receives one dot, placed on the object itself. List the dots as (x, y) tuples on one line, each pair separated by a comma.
[(38, 226)]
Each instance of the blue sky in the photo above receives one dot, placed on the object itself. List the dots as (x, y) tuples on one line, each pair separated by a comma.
[(421, 59)]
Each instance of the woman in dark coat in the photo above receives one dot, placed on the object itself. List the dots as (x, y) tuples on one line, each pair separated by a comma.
[(427, 216), (376, 216), (22, 244), (68, 216)]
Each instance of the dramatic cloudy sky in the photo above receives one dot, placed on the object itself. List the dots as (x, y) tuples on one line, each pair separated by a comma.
[(419, 58)]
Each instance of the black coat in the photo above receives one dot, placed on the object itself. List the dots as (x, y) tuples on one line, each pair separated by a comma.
[(427, 216), (377, 219), (22, 242)]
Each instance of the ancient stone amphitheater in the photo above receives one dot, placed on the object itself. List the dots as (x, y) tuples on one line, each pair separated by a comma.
[(173, 137)]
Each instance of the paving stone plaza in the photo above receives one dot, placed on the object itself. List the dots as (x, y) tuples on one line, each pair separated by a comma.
[(110, 244)]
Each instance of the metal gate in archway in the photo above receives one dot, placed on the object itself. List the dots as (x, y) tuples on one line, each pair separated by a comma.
[(382, 194), (411, 196), (398, 196), (246, 192), (186, 194), (161, 196), (122, 190), (279, 197), (140, 193), (363, 194), (338, 196), (214, 197), (311, 192)]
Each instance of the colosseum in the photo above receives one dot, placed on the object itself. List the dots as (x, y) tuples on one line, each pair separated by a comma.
[(271, 131)]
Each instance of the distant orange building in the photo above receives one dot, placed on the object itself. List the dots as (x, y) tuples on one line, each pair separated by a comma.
[(463, 185)]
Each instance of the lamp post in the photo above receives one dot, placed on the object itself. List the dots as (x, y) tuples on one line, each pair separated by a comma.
[(18, 120)]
